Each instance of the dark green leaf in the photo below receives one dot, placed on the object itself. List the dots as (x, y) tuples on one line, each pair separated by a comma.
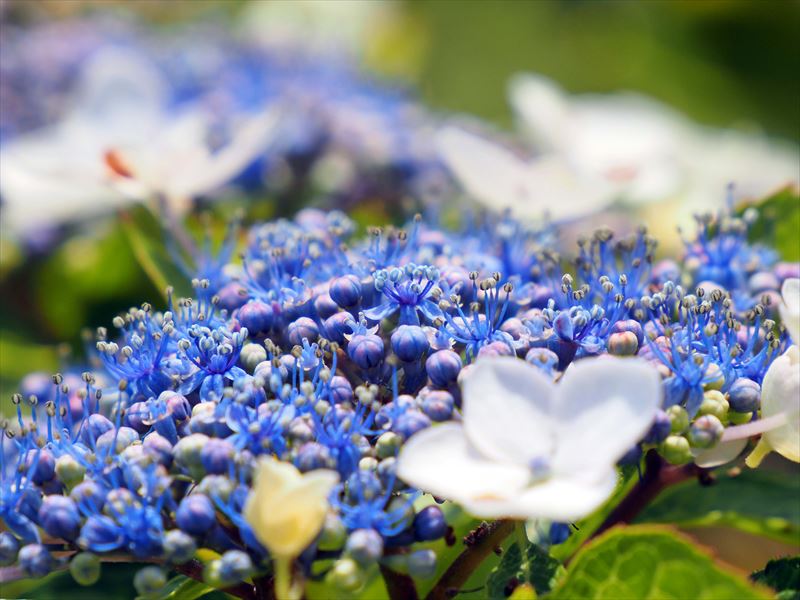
[(782, 575), (648, 562), (543, 568), (179, 588), (758, 502)]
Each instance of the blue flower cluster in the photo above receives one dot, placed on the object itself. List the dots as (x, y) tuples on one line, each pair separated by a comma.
[(329, 351)]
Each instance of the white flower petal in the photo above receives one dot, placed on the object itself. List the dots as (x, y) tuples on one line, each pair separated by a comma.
[(542, 109), (790, 309), (780, 393), (506, 407), (723, 452), (559, 499), (602, 407), (441, 461)]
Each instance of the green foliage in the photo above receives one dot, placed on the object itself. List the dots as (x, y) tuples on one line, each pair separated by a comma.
[(759, 502), (783, 576), (645, 562), (544, 571), (179, 588), (778, 223)]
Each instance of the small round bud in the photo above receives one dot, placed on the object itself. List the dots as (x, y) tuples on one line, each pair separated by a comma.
[(744, 395), (59, 517), (256, 316), (624, 343), (301, 329), (217, 456), (149, 580), (429, 524), (311, 456), (705, 432), (334, 533), (409, 423), (234, 566), (69, 471), (9, 547), (366, 350), (422, 564), (678, 417), (676, 450), (559, 533), (737, 418), (365, 546), (188, 450), (714, 403), (35, 560), (346, 575), (179, 547), (346, 291), (438, 405), (716, 377), (85, 568), (340, 389), (388, 444), (443, 367), (251, 356), (410, 343), (195, 514)]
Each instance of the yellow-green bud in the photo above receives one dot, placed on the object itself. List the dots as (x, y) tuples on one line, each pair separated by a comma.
[(714, 403), (678, 417), (676, 450)]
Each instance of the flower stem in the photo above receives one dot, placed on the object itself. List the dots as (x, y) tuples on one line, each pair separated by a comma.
[(522, 542), (283, 580)]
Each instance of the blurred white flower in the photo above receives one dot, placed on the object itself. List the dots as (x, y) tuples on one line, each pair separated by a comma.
[(531, 188), (529, 448), (655, 152), (119, 143), (790, 308)]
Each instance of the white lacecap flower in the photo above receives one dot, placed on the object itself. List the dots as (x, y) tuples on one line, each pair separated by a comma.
[(531, 187), (790, 308), (652, 152), (528, 448)]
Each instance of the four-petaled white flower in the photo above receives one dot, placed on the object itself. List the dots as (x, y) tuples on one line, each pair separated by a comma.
[(528, 448)]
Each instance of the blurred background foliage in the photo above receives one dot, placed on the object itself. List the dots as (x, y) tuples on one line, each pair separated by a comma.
[(724, 63)]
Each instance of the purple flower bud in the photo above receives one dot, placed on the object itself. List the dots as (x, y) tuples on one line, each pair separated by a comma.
[(744, 396), (410, 422), (763, 281), (231, 297), (559, 533), (303, 328), (363, 485), (543, 359), (438, 405), (217, 456), (45, 468), (513, 327), (365, 546), (234, 566), (59, 517), (35, 560), (311, 456), (39, 385), (158, 448), (341, 390), (115, 441), (661, 428), (410, 343), (195, 514), (89, 495), (366, 350), (256, 316), (135, 416), (563, 327), (9, 547), (336, 326), (346, 291), (787, 270), (177, 405), (100, 534), (666, 270), (631, 326), (324, 306), (95, 426), (429, 524), (705, 432), (443, 367), (496, 349)]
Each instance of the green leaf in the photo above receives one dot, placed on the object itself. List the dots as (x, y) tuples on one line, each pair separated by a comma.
[(544, 570), (179, 588), (757, 502), (782, 575), (649, 562), (778, 223)]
